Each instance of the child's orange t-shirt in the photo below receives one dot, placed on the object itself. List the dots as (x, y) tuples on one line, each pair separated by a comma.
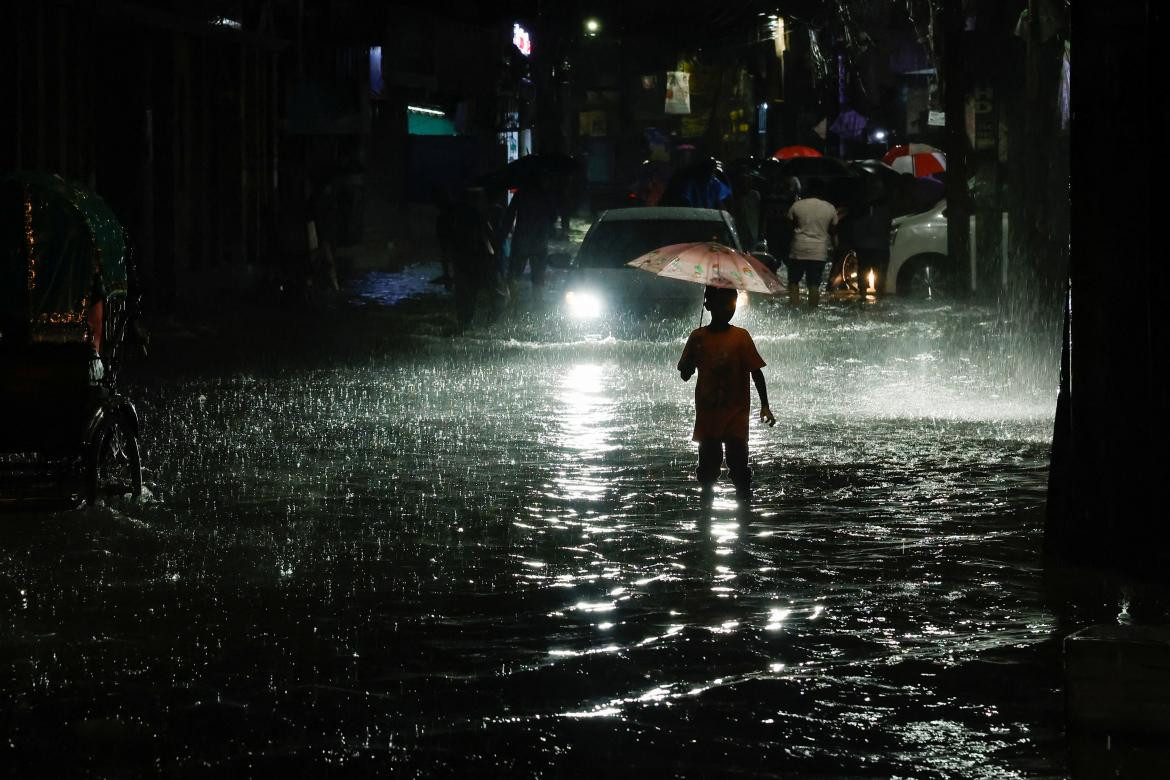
[(725, 360)]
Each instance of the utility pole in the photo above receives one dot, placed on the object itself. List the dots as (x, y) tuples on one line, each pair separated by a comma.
[(955, 105), (840, 102)]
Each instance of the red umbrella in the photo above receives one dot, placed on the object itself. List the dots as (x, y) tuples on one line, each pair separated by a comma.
[(904, 149), (926, 164), (788, 152), (917, 159)]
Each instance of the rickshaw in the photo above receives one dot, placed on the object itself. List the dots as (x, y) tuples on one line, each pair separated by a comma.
[(66, 302)]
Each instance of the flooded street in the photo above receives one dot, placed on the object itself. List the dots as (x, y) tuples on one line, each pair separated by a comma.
[(487, 554)]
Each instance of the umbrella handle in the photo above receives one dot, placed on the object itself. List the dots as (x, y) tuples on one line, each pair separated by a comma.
[(700, 315)]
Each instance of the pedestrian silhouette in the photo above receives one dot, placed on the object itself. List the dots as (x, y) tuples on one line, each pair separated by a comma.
[(529, 219), (473, 262), (724, 356)]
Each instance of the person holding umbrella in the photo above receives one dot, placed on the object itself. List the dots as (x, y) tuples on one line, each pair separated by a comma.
[(529, 219), (724, 356)]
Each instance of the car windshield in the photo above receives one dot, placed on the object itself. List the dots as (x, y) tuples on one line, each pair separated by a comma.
[(613, 244)]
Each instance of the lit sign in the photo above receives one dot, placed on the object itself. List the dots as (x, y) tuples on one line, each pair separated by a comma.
[(521, 40)]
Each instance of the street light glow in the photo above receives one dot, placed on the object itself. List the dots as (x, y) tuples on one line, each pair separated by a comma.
[(592, 26)]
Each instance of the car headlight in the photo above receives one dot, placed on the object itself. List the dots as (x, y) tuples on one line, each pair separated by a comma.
[(893, 234), (583, 305)]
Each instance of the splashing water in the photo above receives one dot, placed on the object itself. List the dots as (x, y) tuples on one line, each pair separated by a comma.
[(488, 551)]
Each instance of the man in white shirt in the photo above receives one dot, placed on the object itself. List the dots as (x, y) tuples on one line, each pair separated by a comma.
[(814, 223)]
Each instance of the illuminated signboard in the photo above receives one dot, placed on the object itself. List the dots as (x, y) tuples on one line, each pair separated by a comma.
[(521, 39)]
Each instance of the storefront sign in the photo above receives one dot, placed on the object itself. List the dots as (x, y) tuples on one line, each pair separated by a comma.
[(986, 122)]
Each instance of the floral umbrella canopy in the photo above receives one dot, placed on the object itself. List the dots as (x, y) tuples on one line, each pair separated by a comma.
[(710, 263)]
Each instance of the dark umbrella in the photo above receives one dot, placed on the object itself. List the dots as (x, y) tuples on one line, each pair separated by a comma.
[(880, 181), (749, 165), (839, 181), (922, 193), (530, 168), (816, 168)]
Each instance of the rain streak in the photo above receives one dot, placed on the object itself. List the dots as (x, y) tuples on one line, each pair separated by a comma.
[(488, 551)]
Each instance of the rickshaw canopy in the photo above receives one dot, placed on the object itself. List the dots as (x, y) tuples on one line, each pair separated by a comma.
[(62, 247)]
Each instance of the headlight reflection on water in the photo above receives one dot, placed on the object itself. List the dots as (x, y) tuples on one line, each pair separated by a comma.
[(586, 424), (583, 305)]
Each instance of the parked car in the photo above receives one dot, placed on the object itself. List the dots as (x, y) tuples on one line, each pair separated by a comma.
[(903, 193), (919, 265), (599, 280)]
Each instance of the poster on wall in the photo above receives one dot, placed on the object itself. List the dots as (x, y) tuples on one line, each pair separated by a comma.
[(678, 92)]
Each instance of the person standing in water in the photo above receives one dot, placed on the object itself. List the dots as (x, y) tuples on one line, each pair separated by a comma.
[(814, 223), (724, 356), (529, 220), (473, 260)]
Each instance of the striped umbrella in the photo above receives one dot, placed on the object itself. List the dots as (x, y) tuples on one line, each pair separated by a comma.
[(925, 164), (916, 159), (903, 149)]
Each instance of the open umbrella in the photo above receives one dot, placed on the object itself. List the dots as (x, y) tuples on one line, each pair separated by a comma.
[(922, 193), (903, 149), (918, 163), (710, 263), (529, 168), (788, 152)]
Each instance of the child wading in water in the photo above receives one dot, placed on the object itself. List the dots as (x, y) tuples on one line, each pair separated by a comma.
[(724, 356)]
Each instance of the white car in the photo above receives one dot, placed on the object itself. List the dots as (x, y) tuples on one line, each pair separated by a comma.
[(918, 255), (600, 282), (919, 264)]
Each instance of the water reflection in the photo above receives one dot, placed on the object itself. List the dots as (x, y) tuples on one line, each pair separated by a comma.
[(585, 416), (487, 552)]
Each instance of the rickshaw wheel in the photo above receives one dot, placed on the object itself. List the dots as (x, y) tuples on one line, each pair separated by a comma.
[(114, 465)]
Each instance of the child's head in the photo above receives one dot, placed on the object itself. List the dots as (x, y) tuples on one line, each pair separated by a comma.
[(720, 301)]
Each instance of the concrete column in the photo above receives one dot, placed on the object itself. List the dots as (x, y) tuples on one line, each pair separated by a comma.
[(1108, 468)]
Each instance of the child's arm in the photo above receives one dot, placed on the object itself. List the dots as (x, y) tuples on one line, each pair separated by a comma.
[(686, 363), (762, 388)]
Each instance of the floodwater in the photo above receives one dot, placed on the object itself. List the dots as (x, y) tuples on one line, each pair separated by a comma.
[(486, 554)]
